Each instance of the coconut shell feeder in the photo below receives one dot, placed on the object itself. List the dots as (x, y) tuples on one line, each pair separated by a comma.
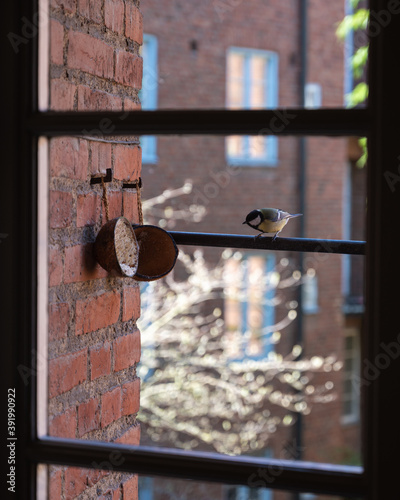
[(142, 252), (157, 252)]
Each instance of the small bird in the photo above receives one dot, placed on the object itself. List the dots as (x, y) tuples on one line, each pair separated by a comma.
[(268, 220)]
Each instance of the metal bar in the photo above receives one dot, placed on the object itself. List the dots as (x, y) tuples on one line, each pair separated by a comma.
[(266, 243), (201, 466), (318, 122)]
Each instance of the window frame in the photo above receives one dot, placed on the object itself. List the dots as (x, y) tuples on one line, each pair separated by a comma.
[(378, 478), (149, 142), (270, 159)]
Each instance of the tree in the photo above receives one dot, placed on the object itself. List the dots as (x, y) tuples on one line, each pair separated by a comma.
[(202, 386), (355, 24)]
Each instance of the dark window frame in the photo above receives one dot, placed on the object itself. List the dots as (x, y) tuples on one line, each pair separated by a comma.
[(381, 436)]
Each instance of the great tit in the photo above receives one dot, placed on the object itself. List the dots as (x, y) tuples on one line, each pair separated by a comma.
[(268, 220)]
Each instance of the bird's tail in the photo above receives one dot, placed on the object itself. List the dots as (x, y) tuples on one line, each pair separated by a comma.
[(294, 215)]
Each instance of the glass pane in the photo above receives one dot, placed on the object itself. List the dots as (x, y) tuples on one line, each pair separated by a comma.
[(256, 308), (197, 60), (161, 488), (56, 482), (94, 61), (233, 356), (100, 59), (75, 482)]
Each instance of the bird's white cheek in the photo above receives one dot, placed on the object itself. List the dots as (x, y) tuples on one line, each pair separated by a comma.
[(257, 221)]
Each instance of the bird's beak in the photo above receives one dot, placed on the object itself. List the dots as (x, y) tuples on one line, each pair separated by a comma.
[(245, 222)]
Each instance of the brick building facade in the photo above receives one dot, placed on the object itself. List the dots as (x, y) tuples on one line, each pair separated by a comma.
[(94, 344), (188, 67)]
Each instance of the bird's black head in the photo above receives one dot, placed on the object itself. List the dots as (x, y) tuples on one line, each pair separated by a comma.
[(254, 218)]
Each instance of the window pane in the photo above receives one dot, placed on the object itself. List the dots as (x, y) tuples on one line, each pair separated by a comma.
[(75, 482), (231, 360), (198, 62), (94, 57), (157, 488), (101, 60), (57, 482)]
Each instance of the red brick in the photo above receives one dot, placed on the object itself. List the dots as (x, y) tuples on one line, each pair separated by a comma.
[(75, 481), (129, 206), (131, 303), (132, 436), (100, 157), (80, 264), (60, 209), (114, 15), (114, 204), (131, 397), (130, 488), (88, 416), (64, 424), (58, 321), (68, 6), (100, 360), (91, 9), (69, 157), (66, 372), (56, 42), (127, 163), (55, 266), (97, 100), (90, 55), (62, 95), (110, 406), (134, 23), (88, 209), (98, 312), (130, 105), (55, 484), (128, 69), (126, 350), (116, 494)]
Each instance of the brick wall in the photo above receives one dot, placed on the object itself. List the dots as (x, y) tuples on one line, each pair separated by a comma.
[(94, 344)]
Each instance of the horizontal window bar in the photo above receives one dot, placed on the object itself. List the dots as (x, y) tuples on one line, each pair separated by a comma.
[(248, 471), (266, 243), (332, 122)]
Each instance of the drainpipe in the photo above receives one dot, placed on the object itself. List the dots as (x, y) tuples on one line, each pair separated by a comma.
[(298, 434)]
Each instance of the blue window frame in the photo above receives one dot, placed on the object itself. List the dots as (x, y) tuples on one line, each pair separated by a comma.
[(149, 92), (251, 83)]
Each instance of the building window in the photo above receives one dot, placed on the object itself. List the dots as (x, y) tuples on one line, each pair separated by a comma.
[(309, 292), (148, 93), (351, 370), (313, 96), (249, 305), (251, 83)]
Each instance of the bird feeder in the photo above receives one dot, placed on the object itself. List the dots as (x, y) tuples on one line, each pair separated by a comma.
[(157, 252), (116, 248), (142, 252)]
